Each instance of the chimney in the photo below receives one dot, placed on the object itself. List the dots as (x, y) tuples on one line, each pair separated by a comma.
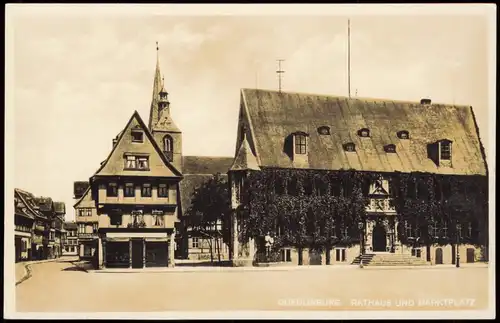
[(425, 101)]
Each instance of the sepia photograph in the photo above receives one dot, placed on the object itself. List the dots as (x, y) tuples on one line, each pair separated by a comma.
[(249, 161)]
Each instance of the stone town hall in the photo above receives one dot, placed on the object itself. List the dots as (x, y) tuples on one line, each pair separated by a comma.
[(129, 210)]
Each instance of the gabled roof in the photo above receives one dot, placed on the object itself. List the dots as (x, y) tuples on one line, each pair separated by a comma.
[(136, 116), (84, 196), (205, 165), (25, 204), (274, 116), (45, 203), (245, 159), (60, 207)]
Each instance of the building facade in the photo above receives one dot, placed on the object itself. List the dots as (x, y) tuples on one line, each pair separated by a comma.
[(38, 226), (415, 171), (86, 221), (24, 221), (70, 239), (129, 213)]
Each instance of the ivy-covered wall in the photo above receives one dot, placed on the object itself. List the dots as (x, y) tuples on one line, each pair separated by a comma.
[(320, 209)]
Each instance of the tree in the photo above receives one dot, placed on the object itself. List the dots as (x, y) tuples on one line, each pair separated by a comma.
[(209, 212)]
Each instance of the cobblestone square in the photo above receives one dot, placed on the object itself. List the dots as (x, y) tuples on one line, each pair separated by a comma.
[(322, 288)]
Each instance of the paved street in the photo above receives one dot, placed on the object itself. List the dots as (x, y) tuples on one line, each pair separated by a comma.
[(59, 287)]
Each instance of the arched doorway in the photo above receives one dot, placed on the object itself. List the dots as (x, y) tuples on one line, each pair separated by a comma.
[(439, 256), (379, 238)]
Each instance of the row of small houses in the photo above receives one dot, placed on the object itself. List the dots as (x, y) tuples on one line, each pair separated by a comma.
[(40, 230)]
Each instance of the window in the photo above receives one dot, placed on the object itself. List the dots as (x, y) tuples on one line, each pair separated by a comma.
[(146, 190), (112, 190), (444, 230), (85, 212), (194, 242), (168, 147), (157, 218), (445, 150), (95, 227), (390, 148), (286, 255), (136, 162), (115, 219), (137, 136), (143, 163), (324, 130), (300, 144), (163, 190), (408, 229), (130, 162), (403, 134), (364, 132), (350, 147), (129, 190), (345, 233), (81, 227), (340, 254), (416, 252)]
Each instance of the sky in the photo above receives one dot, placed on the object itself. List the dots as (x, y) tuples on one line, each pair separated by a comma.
[(78, 78)]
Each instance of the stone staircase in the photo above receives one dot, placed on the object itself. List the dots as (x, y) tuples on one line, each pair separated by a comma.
[(389, 259)]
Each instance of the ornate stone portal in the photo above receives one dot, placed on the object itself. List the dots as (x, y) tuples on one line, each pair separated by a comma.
[(381, 226)]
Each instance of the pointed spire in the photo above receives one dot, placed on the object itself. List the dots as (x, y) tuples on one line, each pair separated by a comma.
[(154, 114)]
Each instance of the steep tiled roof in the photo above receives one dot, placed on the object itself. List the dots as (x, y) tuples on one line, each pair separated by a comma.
[(206, 165), (273, 116), (189, 184), (154, 167), (245, 159), (25, 204), (60, 207), (45, 204)]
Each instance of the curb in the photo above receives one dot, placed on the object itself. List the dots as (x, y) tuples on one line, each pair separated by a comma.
[(28, 270), (273, 268)]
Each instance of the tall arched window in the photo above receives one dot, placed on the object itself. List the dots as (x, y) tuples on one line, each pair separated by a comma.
[(168, 147)]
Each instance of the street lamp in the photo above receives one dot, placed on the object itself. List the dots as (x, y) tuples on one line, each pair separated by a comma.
[(361, 244), (459, 227)]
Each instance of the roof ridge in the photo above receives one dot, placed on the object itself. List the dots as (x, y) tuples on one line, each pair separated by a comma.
[(356, 98)]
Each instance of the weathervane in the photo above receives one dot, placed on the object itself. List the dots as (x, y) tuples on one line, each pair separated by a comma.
[(279, 72)]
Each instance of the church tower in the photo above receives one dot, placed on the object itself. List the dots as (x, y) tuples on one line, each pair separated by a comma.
[(161, 125)]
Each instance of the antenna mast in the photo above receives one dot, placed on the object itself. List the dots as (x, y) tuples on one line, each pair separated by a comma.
[(349, 57), (279, 72)]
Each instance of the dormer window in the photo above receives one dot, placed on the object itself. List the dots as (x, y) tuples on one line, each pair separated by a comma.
[(324, 130), (403, 134), (300, 143), (137, 135), (390, 148), (445, 149), (350, 147), (364, 132)]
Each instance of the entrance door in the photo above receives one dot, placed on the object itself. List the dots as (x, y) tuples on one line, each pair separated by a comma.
[(439, 256), (379, 238), (137, 253), (470, 254), (156, 254)]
